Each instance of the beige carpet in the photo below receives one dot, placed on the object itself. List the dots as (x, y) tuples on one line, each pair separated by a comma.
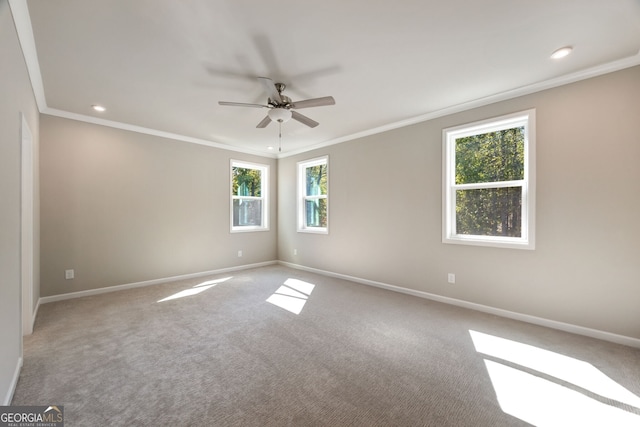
[(230, 350)]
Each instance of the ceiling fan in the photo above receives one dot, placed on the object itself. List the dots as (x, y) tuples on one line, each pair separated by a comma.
[(280, 106)]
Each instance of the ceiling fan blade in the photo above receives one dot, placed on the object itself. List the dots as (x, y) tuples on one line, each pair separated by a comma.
[(315, 102), (304, 119), (270, 87), (264, 123), (241, 104)]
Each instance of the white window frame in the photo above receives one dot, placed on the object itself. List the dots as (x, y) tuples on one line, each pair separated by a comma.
[(264, 191), (449, 136), (303, 197)]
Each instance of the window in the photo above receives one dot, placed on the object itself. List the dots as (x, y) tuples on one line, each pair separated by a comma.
[(489, 182), (313, 184), (249, 202)]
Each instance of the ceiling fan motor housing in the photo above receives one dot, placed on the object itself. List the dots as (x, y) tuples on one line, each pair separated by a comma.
[(284, 102)]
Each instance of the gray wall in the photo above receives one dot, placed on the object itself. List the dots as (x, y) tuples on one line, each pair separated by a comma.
[(385, 211), (17, 97), (121, 207)]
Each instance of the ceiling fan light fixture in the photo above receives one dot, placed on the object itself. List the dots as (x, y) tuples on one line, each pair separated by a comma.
[(279, 114)]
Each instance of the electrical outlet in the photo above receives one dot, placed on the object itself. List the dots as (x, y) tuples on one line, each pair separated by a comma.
[(451, 278), (295, 252), (240, 254), (69, 274)]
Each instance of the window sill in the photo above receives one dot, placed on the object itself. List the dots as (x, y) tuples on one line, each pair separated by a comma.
[(249, 229), (313, 231), (495, 242)]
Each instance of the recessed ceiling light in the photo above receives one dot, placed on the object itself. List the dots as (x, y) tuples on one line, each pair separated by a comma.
[(99, 108), (562, 52)]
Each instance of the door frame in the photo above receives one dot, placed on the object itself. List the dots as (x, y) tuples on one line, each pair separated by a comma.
[(26, 226)]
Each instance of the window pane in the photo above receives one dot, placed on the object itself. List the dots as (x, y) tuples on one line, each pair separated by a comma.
[(316, 180), (490, 157), (316, 212), (247, 182), (489, 212), (247, 212)]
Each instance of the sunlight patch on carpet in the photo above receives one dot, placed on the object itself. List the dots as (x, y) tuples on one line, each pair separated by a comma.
[(200, 287), (548, 402), (292, 296)]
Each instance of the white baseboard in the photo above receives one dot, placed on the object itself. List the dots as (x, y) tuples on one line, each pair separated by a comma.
[(14, 382), (98, 291), (553, 324)]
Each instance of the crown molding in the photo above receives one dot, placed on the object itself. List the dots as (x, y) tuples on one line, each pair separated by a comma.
[(22, 21)]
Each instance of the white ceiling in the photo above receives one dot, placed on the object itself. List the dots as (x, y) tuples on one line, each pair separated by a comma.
[(163, 65)]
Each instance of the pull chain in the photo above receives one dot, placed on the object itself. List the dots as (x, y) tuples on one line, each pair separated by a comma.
[(280, 135)]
